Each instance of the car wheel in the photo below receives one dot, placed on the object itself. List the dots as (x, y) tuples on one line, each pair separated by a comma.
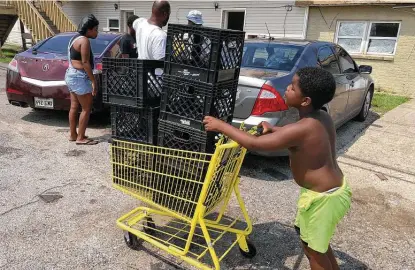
[(364, 111)]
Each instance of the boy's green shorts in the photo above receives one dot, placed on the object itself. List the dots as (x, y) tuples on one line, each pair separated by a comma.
[(319, 213)]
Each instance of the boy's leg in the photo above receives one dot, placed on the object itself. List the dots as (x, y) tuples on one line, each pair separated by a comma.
[(318, 261), (314, 256), (332, 259)]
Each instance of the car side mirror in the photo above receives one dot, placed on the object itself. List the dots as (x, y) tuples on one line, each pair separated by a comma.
[(365, 69)]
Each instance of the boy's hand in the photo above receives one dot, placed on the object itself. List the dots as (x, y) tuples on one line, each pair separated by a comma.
[(213, 124), (267, 128)]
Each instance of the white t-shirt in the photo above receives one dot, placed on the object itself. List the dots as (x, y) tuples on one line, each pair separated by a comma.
[(151, 40)]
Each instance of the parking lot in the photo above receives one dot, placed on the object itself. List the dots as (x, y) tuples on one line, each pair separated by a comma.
[(77, 229)]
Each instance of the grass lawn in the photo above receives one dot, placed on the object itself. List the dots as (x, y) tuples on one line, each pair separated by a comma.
[(7, 53), (384, 102)]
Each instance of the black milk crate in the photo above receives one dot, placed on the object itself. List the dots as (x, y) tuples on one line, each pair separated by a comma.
[(131, 82), (203, 53), (187, 102), (133, 124), (177, 136)]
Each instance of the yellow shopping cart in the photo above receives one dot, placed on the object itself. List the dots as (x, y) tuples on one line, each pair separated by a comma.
[(182, 189)]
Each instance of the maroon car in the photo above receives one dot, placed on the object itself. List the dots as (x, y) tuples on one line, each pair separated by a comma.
[(36, 77)]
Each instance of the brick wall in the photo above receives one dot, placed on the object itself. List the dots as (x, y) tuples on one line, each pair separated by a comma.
[(393, 74)]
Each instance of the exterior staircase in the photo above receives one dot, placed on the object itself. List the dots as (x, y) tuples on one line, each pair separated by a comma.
[(42, 17), (8, 17), (52, 12), (42, 13)]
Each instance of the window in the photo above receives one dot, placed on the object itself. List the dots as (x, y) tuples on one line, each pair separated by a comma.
[(383, 38), (368, 37), (114, 51), (346, 62), (59, 44), (328, 61), (271, 56), (114, 25)]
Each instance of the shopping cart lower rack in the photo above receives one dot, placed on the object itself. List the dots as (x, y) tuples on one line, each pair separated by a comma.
[(183, 189)]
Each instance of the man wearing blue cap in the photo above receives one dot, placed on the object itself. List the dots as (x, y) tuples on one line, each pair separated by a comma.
[(195, 17), (199, 50)]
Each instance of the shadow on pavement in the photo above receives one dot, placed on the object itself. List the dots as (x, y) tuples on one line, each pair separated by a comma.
[(60, 118), (277, 168), (278, 247)]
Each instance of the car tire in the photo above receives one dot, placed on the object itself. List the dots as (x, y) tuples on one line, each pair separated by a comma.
[(367, 104)]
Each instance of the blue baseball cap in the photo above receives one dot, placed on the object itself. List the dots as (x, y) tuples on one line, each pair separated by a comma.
[(195, 16)]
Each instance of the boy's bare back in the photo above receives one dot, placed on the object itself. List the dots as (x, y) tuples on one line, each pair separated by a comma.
[(313, 161)]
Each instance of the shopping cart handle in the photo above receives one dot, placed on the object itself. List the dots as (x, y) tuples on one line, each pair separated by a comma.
[(259, 130), (256, 131)]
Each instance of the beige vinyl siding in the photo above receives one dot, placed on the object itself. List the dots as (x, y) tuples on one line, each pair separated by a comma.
[(76, 10), (15, 36), (257, 14)]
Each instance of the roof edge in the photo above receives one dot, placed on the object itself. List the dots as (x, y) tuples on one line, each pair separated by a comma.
[(306, 3)]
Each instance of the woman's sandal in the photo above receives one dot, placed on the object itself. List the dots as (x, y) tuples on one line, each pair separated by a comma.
[(71, 140), (87, 142)]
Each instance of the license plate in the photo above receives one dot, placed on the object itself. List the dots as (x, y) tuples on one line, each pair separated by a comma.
[(46, 103)]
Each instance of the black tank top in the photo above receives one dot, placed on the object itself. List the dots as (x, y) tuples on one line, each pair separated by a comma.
[(75, 55)]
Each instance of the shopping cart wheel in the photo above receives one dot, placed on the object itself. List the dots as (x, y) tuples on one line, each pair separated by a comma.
[(131, 240), (251, 250), (150, 227)]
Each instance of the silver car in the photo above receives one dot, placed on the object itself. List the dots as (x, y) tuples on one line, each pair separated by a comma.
[(268, 67)]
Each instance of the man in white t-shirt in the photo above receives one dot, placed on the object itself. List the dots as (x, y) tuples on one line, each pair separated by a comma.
[(151, 39)]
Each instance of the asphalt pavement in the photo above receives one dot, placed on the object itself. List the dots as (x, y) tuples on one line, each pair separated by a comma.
[(77, 228)]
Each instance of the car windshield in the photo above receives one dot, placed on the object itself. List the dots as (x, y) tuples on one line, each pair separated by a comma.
[(281, 57), (59, 44)]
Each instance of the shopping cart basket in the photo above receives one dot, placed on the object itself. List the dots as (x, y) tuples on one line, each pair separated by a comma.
[(183, 189)]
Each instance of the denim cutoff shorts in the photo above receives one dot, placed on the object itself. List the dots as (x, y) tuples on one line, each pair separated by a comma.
[(78, 81)]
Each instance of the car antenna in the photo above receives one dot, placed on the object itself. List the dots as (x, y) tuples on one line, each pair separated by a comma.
[(269, 34)]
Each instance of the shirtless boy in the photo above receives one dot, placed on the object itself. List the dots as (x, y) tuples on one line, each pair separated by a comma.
[(325, 196)]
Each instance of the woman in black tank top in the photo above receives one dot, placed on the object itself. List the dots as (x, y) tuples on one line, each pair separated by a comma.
[(80, 79)]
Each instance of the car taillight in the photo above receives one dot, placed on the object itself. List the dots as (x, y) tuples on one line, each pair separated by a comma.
[(14, 91), (13, 65), (98, 68), (268, 100)]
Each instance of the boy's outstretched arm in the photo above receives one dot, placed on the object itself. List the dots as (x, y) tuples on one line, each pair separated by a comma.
[(285, 137)]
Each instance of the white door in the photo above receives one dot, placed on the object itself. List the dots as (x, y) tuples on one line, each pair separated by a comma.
[(125, 14)]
